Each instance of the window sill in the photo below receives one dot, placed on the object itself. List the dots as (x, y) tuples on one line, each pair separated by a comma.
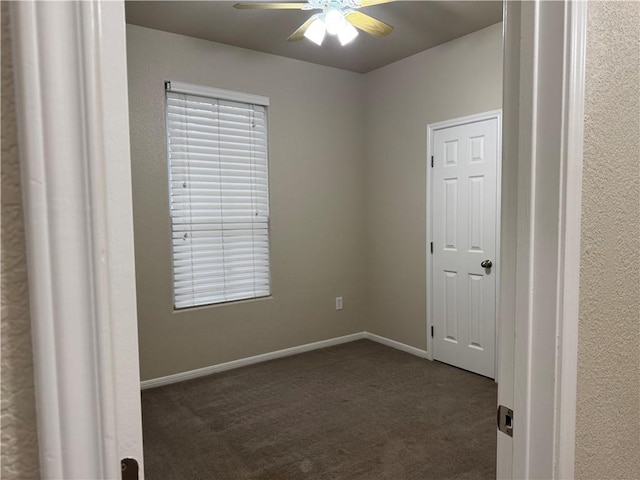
[(221, 304)]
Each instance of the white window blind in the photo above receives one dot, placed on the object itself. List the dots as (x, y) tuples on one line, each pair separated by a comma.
[(219, 193)]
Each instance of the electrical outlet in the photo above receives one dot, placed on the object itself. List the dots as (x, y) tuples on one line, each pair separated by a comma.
[(338, 303)]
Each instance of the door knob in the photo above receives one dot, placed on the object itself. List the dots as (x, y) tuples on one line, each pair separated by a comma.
[(486, 264)]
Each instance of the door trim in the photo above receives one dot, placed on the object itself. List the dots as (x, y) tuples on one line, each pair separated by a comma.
[(431, 129), (73, 121), (550, 141), (571, 217)]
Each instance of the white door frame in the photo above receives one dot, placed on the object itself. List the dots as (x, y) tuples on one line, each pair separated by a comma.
[(71, 78), (547, 274), (73, 124), (431, 129)]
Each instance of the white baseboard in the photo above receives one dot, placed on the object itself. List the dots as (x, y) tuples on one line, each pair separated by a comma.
[(243, 362), (397, 345)]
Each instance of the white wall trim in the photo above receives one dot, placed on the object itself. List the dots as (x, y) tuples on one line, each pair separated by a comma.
[(73, 128), (509, 170), (286, 352), (243, 362), (431, 129), (569, 262), (397, 345), (553, 51)]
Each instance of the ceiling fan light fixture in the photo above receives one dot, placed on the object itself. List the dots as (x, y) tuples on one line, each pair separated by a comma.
[(338, 18), (316, 31), (347, 34), (334, 21)]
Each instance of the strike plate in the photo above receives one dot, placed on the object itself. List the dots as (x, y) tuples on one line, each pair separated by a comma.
[(505, 420), (130, 469)]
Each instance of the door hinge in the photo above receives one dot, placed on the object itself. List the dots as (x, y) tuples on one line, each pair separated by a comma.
[(431, 247), (431, 161), (505, 420), (130, 469)]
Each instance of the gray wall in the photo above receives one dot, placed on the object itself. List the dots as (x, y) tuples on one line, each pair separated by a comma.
[(346, 150), (608, 405), (18, 414), (459, 78), (317, 200)]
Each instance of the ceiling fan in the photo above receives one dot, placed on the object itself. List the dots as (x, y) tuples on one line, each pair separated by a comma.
[(338, 17)]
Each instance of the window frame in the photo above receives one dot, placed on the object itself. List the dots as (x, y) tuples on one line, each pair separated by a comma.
[(224, 95)]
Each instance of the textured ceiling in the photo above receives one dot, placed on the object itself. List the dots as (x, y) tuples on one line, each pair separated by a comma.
[(418, 25)]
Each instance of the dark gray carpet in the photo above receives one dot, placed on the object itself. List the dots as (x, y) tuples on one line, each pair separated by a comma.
[(355, 411)]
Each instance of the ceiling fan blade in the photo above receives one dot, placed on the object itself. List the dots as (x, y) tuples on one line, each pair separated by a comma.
[(299, 33), (371, 3), (369, 24), (271, 6)]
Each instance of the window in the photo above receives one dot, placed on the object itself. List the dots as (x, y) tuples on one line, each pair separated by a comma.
[(219, 194)]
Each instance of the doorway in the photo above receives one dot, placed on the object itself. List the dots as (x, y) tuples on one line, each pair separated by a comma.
[(463, 218), (111, 432)]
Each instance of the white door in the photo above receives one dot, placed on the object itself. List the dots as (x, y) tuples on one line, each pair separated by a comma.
[(463, 275)]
